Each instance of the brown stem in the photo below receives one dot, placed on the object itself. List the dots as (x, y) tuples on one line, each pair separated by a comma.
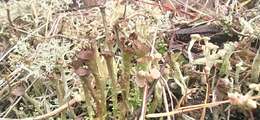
[(59, 85), (84, 74), (87, 92), (100, 85), (110, 61), (126, 76)]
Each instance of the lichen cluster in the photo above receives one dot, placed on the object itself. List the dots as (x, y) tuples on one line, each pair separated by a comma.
[(119, 59)]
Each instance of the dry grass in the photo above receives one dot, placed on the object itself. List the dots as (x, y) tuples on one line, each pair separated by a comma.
[(129, 59)]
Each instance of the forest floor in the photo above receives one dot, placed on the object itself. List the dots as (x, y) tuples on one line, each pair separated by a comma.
[(130, 59)]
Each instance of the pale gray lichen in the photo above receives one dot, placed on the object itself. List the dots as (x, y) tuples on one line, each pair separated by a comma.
[(45, 57)]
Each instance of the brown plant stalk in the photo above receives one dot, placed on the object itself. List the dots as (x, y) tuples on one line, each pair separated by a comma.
[(91, 58), (108, 55)]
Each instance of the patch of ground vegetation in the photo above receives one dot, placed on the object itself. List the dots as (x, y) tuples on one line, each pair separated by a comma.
[(129, 59)]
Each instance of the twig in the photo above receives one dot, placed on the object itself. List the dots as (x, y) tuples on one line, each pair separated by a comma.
[(9, 17), (52, 113), (169, 92), (192, 107), (144, 103), (193, 9), (166, 103), (56, 111), (185, 109)]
